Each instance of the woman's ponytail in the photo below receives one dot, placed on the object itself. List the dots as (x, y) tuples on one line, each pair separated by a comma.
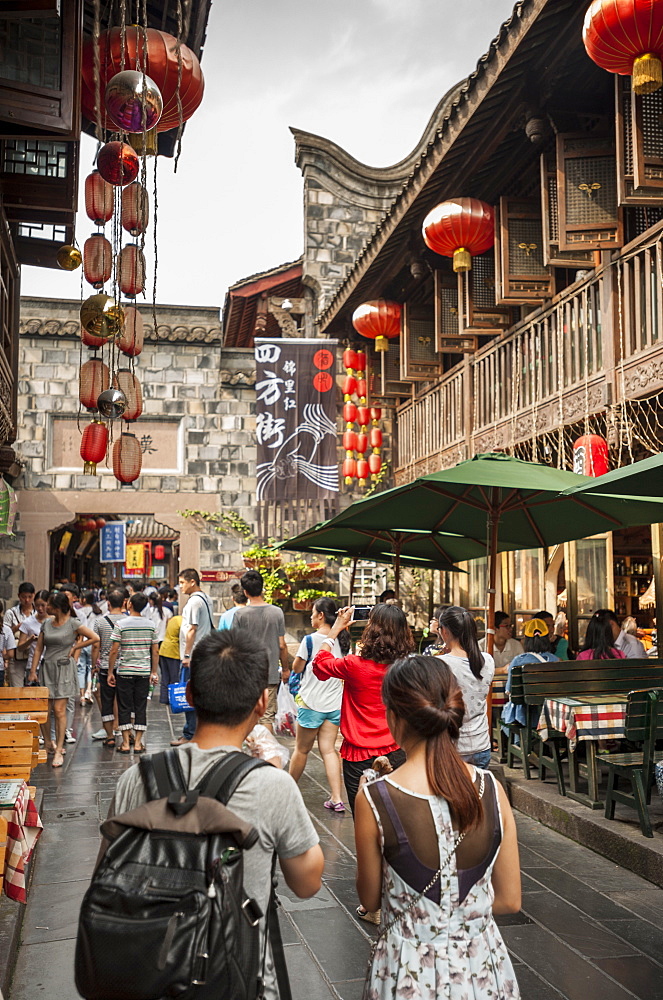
[(463, 628)]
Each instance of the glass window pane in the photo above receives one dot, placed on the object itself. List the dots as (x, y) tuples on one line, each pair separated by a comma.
[(592, 567), (527, 580)]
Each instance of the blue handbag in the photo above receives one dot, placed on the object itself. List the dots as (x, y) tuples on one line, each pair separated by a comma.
[(295, 681), (177, 696)]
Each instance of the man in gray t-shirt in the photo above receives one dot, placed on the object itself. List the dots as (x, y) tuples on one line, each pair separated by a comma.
[(266, 623)]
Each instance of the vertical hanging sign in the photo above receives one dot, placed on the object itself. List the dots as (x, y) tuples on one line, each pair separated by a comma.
[(296, 428)]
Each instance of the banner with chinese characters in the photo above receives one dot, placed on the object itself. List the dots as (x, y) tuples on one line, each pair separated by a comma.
[(296, 419)]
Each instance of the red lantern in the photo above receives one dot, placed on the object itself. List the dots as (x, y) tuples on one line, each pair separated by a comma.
[(363, 470), (362, 415), (159, 553), (118, 163), (127, 458), (374, 464), (93, 446), (97, 260), (93, 379), (349, 387), (349, 359), (131, 339), (350, 413), (376, 438), (89, 524), (155, 52), (362, 443), (135, 209), (349, 470), (626, 37), (90, 340), (460, 228), (361, 361), (378, 320), (131, 270), (98, 198), (590, 456), (127, 383), (361, 388), (350, 442), (100, 522), (376, 413)]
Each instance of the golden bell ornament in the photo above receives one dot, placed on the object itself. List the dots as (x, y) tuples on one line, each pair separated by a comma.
[(101, 317), (68, 257)]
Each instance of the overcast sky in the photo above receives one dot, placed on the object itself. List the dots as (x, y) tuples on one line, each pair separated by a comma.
[(366, 74)]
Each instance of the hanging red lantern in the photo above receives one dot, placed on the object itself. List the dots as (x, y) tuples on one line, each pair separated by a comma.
[(97, 260), (360, 363), (100, 522), (376, 438), (131, 270), (362, 443), (126, 382), (93, 446), (127, 458), (378, 320), (350, 442), (349, 360), (349, 470), (89, 524), (460, 228), (156, 53), (159, 553), (135, 208), (376, 414), (363, 470), (94, 377), (130, 341), (90, 340), (374, 464), (98, 198), (361, 388), (591, 456), (349, 387), (350, 413), (626, 37), (118, 163), (362, 415)]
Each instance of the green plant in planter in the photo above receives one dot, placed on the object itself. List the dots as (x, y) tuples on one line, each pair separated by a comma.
[(296, 570), (311, 594), (274, 587), (262, 555)]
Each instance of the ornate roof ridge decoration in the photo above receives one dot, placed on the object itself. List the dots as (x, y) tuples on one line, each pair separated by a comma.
[(433, 152)]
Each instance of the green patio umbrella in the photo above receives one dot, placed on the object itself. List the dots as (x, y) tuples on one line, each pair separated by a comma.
[(502, 501), (642, 480)]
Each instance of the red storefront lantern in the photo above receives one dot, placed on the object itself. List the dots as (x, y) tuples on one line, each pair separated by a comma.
[(93, 447), (93, 379), (376, 414), (378, 320), (361, 361), (100, 522), (591, 456), (155, 52), (376, 438), (350, 442), (159, 553), (349, 470), (127, 383), (460, 228), (98, 198), (362, 444), (349, 387), (349, 360), (374, 464), (350, 413), (89, 524), (127, 458), (135, 208), (97, 260), (626, 37), (361, 388), (131, 270), (363, 470), (362, 415), (130, 341), (118, 163)]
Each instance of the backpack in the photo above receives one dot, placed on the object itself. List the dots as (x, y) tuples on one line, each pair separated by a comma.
[(166, 914), (295, 680)]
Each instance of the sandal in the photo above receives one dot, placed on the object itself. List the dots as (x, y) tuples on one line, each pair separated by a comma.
[(58, 759), (109, 742), (140, 749), (370, 917), (337, 807), (124, 750)]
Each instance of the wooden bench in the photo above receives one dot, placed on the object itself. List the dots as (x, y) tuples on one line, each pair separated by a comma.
[(32, 701), (644, 723), (15, 755), (575, 678), (27, 726)]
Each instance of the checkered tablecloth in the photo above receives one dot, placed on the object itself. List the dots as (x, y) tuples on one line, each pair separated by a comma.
[(23, 830), (589, 718), (500, 697)]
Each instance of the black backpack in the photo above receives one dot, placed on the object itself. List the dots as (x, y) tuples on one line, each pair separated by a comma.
[(166, 914)]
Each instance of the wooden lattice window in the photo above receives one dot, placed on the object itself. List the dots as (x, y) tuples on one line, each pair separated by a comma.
[(521, 274), (589, 216), (419, 359), (9, 305), (552, 255), (388, 369), (39, 180), (631, 114), (478, 300)]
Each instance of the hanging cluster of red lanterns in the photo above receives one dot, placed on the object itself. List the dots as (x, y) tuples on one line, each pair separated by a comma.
[(359, 463), (626, 37), (91, 523)]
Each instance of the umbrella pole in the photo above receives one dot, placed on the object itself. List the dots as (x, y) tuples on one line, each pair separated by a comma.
[(493, 528), (397, 569), (352, 577)]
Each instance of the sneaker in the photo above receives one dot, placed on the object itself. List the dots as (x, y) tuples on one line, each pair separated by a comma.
[(69, 736), (337, 807), (41, 741), (99, 735)]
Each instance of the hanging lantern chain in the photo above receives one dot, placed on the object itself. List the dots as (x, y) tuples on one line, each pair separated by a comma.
[(97, 70), (179, 85)]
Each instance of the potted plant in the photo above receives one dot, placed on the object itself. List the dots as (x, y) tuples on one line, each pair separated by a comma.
[(296, 570), (261, 557), (306, 598), (275, 588), (315, 571)]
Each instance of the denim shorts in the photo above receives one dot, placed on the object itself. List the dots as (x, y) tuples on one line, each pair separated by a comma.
[(310, 719), (480, 759)]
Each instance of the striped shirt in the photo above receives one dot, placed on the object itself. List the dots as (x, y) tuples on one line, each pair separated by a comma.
[(135, 636), (104, 625)]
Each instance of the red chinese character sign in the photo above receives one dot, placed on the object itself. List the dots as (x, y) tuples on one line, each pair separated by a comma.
[(296, 419)]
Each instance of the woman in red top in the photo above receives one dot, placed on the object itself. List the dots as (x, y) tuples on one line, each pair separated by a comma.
[(599, 641), (386, 638)]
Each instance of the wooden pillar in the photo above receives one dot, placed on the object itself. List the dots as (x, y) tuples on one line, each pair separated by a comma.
[(571, 575), (657, 559)]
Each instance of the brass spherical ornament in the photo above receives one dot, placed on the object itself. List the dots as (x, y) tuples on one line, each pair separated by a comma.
[(68, 257), (133, 101), (111, 403), (101, 317)]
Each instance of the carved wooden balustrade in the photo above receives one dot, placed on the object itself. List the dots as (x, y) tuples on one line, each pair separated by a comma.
[(597, 343)]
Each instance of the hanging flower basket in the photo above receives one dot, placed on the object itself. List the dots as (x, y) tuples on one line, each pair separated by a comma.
[(305, 604), (315, 571), (262, 562)]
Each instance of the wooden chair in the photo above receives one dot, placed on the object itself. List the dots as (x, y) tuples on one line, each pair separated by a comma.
[(27, 726), (15, 755), (644, 722), (3, 849), (32, 701)]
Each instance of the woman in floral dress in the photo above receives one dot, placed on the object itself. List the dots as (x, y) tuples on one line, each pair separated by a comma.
[(436, 846)]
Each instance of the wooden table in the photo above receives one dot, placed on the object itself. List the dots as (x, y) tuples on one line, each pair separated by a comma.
[(586, 718)]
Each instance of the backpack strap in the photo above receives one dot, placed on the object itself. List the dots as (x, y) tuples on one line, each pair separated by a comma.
[(222, 780), (162, 774), (309, 648)]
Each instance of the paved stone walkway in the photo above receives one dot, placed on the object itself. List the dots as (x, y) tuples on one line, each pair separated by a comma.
[(588, 930)]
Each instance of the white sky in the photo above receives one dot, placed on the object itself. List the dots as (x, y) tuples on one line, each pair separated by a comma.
[(366, 74)]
